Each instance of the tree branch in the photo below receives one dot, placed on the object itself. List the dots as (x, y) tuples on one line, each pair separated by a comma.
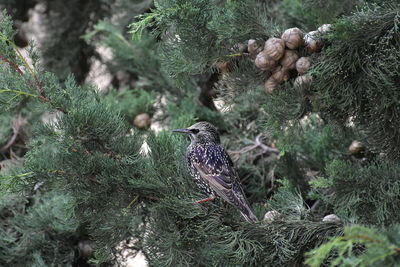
[(17, 123), (257, 143)]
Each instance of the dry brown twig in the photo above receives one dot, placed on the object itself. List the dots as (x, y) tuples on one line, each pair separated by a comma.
[(257, 143), (17, 123)]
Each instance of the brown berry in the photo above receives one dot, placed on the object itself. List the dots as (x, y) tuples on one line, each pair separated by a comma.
[(254, 47), (264, 62), (270, 86), (274, 48), (302, 65), (356, 147), (289, 59), (142, 121), (279, 75), (303, 81), (312, 42), (293, 38)]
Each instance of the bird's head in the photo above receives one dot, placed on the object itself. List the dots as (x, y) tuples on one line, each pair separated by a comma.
[(201, 132)]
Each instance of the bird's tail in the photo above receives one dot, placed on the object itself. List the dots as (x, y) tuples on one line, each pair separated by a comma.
[(248, 214)]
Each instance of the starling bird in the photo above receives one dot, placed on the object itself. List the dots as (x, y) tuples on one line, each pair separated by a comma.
[(212, 169)]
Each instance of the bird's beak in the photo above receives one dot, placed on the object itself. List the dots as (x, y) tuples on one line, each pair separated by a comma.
[(185, 131)]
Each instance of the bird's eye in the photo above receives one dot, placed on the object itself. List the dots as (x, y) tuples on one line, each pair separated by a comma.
[(195, 131)]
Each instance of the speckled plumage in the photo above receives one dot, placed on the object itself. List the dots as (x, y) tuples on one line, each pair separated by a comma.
[(212, 169)]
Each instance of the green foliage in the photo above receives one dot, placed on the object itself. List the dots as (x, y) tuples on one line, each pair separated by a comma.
[(310, 145), (380, 248), (228, 21), (294, 13), (320, 12), (285, 106), (16, 83), (5, 131), (13, 180), (7, 34), (131, 102), (241, 84), (288, 201), (232, 243), (87, 172), (367, 194), (321, 143), (36, 232), (308, 15), (117, 181), (357, 75), (218, 29)]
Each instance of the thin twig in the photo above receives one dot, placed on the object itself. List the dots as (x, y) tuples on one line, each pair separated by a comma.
[(12, 64), (315, 206), (257, 143), (109, 151), (42, 97), (133, 202), (265, 147), (152, 198), (16, 126), (11, 141), (94, 179)]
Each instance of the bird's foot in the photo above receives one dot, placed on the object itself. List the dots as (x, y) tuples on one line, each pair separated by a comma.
[(205, 200)]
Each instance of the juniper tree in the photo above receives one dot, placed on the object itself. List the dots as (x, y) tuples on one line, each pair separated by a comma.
[(86, 171)]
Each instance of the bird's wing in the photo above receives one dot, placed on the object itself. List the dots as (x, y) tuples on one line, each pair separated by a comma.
[(215, 166)]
